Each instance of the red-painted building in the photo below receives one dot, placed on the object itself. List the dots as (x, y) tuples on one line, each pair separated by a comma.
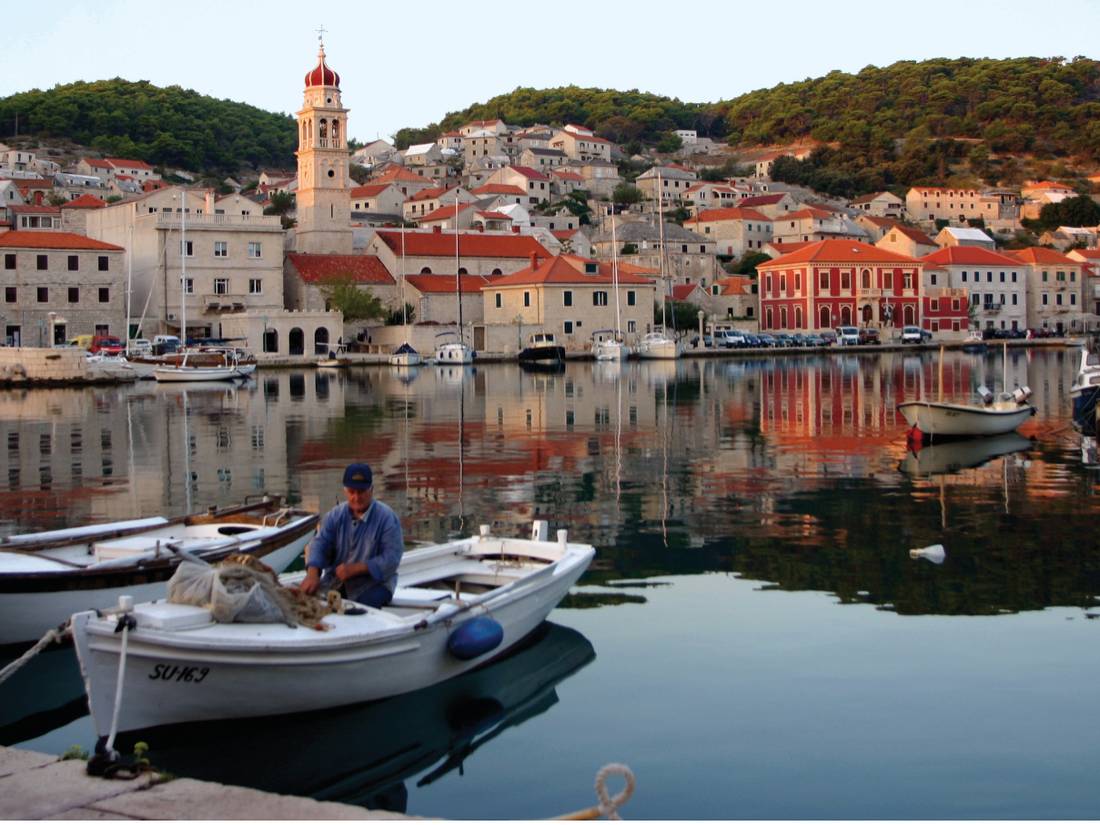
[(834, 283)]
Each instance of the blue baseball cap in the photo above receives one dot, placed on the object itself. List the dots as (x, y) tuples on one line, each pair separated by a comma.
[(358, 477)]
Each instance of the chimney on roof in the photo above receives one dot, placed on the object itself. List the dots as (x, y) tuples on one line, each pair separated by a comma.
[(437, 229), (534, 260)]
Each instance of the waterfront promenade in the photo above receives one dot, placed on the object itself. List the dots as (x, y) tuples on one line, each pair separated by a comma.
[(42, 786)]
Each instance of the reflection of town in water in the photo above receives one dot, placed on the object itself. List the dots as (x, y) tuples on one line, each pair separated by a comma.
[(793, 470)]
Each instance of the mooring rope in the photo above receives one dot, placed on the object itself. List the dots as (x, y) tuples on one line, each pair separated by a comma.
[(609, 805), (55, 634)]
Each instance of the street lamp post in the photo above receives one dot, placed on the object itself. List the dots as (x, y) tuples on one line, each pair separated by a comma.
[(702, 340)]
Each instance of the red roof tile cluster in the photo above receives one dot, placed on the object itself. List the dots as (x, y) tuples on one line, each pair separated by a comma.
[(913, 234), (364, 269), (498, 189), (1041, 255), (681, 292), (761, 200), (446, 284), (28, 239), (445, 212), (968, 255), (37, 209), (839, 251), (529, 173), (566, 175), (471, 244), (730, 213), (737, 285), (429, 194), (395, 173), (568, 269)]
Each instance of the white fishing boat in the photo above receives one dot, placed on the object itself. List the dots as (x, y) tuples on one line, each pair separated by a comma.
[(610, 344), (457, 605), (450, 349), (405, 355), (46, 577), (336, 359), (189, 370), (113, 366), (1086, 385), (542, 350), (657, 344), (995, 415)]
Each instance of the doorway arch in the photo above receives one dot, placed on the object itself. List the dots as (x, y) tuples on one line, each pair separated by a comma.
[(296, 342), (320, 341)]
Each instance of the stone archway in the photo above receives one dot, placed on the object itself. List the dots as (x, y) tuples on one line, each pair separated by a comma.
[(868, 314), (271, 340), (845, 316), (320, 341), (909, 314), (296, 344), (823, 318)]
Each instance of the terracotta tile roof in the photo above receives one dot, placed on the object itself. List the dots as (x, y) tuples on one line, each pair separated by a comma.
[(565, 175), (129, 163), (428, 194), (563, 234), (1090, 254), (365, 269), (498, 189), (736, 285), (96, 163), (445, 284), (883, 223), (154, 185), (605, 267), (471, 244), (21, 239), (730, 213), (35, 208), (681, 292), (495, 216), (565, 269), (762, 200), (529, 173), (789, 247), (717, 187), (399, 173), (369, 190), (1041, 255), (972, 255), (838, 251), (808, 212), (447, 211), (913, 234)]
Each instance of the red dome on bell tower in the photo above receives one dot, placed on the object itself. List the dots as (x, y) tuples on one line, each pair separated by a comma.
[(322, 75)]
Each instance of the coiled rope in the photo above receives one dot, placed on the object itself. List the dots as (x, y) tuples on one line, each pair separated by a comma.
[(56, 634), (609, 805)]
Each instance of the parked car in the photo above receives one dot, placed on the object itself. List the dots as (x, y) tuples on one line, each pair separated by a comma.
[(828, 337), (81, 341), (847, 336), (912, 335), (165, 344), (708, 341), (729, 338), (139, 346), (106, 345), (765, 340), (869, 335), (813, 340)]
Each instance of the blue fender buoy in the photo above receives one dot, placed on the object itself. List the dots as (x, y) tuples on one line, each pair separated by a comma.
[(475, 638)]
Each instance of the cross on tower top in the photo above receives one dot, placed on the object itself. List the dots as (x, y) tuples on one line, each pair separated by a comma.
[(321, 35)]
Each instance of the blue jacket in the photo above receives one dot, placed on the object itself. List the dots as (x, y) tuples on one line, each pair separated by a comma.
[(376, 539)]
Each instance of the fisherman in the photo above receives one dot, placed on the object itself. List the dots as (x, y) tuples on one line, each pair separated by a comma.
[(358, 547)]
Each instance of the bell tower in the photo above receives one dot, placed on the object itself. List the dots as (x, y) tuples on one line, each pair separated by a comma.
[(324, 211)]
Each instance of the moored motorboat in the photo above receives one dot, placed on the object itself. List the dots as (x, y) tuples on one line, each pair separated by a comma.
[(46, 577), (542, 349), (941, 418), (609, 345), (657, 344), (457, 605), (405, 356), (1086, 386), (450, 349)]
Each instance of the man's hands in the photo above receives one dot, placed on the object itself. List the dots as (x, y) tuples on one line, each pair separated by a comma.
[(349, 570)]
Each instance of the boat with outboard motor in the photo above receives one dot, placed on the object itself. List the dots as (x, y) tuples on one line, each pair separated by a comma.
[(457, 605), (542, 350), (46, 577), (1086, 385)]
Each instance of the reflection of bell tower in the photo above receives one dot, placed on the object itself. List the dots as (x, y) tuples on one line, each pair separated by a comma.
[(324, 211)]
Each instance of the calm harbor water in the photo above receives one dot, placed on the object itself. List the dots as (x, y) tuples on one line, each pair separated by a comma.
[(753, 639)]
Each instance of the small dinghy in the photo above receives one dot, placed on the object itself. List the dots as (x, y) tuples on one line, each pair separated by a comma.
[(46, 577), (457, 605)]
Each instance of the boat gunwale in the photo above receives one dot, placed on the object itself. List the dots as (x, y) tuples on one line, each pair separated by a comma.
[(412, 627), (968, 408), (146, 570)]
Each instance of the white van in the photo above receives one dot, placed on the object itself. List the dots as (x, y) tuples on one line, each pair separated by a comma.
[(847, 336)]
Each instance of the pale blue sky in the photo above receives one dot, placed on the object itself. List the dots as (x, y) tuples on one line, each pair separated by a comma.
[(408, 64)]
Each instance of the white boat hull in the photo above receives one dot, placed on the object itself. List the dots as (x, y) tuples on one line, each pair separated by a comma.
[(454, 354), (27, 616), (935, 418), (663, 348), (234, 670), (406, 359), (179, 375), (612, 351)]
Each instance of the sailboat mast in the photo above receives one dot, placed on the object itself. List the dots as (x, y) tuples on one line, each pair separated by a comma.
[(661, 237), (129, 288), (615, 272), (183, 268), (458, 278), (404, 313)]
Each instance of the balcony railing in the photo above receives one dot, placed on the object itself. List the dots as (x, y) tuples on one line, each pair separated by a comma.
[(225, 302)]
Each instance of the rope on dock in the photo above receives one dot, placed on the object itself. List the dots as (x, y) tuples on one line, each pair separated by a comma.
[(609, 805), (55, 634)]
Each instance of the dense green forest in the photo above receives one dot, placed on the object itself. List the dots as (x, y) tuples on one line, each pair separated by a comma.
[(904, 124), (965, 121), (173, 126)]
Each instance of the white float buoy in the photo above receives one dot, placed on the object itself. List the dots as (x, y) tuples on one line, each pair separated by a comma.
[(933, 553)]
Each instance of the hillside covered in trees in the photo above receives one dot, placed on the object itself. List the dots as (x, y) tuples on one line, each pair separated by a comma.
[(172, 126), (904, 124)]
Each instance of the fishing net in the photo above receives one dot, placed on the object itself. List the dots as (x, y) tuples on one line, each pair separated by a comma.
[(242, 589)]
